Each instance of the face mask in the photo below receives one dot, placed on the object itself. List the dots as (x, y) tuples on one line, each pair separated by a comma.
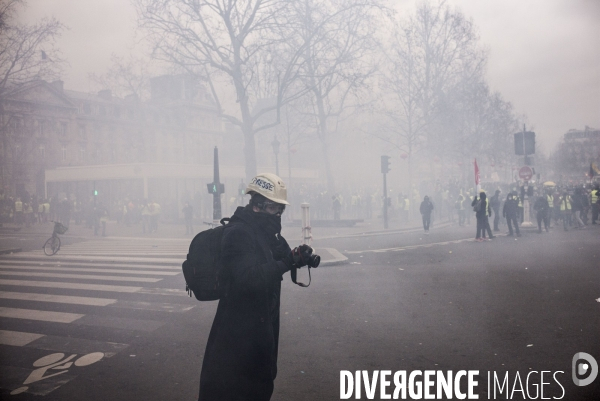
[(271, 223)]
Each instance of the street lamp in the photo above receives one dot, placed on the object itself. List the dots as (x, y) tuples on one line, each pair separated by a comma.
[(275, 145)]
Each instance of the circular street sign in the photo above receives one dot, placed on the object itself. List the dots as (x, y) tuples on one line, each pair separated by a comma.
[(525, 173)]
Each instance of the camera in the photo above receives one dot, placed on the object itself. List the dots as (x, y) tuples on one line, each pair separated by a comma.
[(313, 260)]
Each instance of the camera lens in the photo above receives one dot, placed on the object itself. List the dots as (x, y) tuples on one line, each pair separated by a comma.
[(314, 260)]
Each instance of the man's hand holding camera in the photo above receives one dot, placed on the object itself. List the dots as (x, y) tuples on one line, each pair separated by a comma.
[(302, 256)]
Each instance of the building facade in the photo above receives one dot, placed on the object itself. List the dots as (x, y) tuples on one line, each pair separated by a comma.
[(46, 127)]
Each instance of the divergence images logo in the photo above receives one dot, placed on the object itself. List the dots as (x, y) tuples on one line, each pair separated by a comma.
[(580, 368)]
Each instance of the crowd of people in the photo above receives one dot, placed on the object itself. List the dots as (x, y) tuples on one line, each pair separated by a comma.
[(573, 206)]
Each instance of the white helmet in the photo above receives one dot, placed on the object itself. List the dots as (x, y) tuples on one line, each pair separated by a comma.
[(270, 186)]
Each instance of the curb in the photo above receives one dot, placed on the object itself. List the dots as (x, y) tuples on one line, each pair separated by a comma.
[(338, 258)]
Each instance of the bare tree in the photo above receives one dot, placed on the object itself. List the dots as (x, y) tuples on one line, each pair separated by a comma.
[(339, 57), (27, 52), (248, 47), (446, 51), (431, 53), (125, 76)]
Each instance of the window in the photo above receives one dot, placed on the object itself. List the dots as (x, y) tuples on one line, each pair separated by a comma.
[(42, 151), (64, 153), (63, 129), (82, 131), (82, 152), (87, 108), (113, 154)]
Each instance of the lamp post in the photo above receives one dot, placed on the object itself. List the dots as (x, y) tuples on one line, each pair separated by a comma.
[(275, 145)]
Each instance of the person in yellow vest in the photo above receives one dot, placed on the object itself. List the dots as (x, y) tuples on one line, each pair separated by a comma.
[(595, 202), (550, 199), (19, 212), (565, 210)]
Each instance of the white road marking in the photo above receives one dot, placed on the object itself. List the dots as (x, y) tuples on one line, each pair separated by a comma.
[(75, 269), (408, 247), (17, 338), (42, 315), (72, 286), (64, 299), (81, 276), (87, 263)]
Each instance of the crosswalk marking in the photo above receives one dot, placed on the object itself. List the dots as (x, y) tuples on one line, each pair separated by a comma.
[(91, 270), (17, 338), (81, 276), (46, 316), (63, 299), (26, 264), (35, 288), (35, 255), (72, 286)]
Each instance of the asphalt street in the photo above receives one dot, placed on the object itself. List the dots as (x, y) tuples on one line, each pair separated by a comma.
[(109, 319)]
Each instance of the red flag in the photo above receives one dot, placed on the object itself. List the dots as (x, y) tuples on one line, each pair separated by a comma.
[(477, 177)]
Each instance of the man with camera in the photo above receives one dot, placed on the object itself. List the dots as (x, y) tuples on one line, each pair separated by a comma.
[(240, 362)]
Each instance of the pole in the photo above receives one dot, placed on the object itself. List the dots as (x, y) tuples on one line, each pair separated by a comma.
[(216, 194), (526, 217), (306, 228), (385, 202)]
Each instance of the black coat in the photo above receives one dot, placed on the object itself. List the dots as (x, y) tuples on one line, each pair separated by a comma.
[(240, 362), (511, 209)]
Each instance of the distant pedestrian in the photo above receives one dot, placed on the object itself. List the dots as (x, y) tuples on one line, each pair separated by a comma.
[(495, 204), (188, 217), (460, 208), (542, 209), (566, 210), (511, 212), (595, 202), (426, 208), (577, 206), (336, 206), (482, 210)]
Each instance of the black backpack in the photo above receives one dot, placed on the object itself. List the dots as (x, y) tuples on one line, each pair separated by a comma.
[(203, 270)]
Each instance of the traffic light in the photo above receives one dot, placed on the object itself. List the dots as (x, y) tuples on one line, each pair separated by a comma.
[(215, 188), (385, 164), (528, 146)]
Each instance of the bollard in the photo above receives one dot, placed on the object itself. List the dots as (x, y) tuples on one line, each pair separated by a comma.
[(306, 229)]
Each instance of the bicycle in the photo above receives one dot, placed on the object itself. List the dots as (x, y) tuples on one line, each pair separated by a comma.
[(52, 245)]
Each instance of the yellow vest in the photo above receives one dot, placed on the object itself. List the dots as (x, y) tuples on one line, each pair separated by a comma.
[(594, 196), (406, 204), (565, 204), (18, 206)]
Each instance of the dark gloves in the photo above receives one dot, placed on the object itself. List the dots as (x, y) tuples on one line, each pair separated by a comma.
[(280, 249)]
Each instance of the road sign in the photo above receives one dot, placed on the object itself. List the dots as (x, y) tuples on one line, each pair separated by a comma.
[(525, 173)]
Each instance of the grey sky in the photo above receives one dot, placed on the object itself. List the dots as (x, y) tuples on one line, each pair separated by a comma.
[(544, 54)]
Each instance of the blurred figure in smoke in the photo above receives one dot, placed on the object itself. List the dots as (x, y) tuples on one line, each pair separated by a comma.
[(460, 209), (482, 210), (495, 204), (511, 212), (337, 207), (595, 201), (541, 207), (426, 208), (565, 210)]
